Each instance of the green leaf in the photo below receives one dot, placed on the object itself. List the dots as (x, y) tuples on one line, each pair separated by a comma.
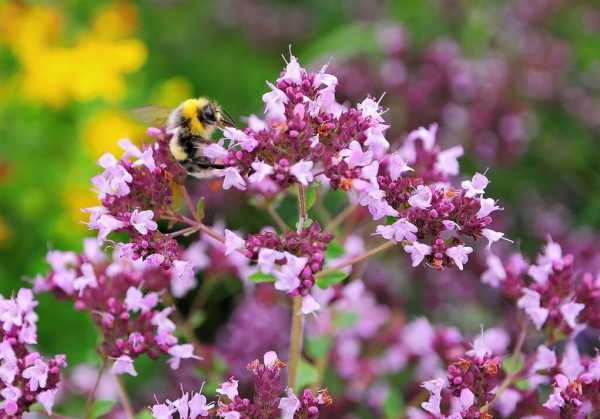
[(144, 414), (331, 278), (345, 319), (308, 222), (101, 408), (259, 276), (522, 384), (334, 250), (393, 407), (311, 195), (200, 208), (513, 364), (307, 374), (198, 318), (318, 347)]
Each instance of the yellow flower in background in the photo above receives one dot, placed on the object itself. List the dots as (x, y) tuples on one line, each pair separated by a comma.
[(172, 92), (104, 129), (76, 198), (93, 67)]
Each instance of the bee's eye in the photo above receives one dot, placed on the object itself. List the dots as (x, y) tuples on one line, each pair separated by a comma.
[(208, 114)]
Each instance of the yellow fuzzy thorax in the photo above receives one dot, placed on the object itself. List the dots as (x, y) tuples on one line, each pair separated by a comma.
[(190, 111)]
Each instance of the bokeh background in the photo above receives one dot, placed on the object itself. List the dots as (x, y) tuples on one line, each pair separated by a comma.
[(516, 82)]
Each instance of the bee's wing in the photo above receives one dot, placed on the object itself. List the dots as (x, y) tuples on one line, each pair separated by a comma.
[(151, 115), (227, 118)]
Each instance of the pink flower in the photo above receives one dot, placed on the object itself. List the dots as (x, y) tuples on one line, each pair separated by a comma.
[(214, 151), (475, 186), (309, 305), (495, 273), (432, 405), (459, 254), (545, 359), (88, 279), (261, 171), (270, 358), (232, 178), (240, 137), (162, 411), (233, 242), (229, 388), (288, 276), (289, 405), (370, 109), (255, 123), (267, 258), (417, 252), (370, 171), (107, 224), (530, 302), (37, 374), (144, 158), (355, 156), (421, 198), (487, 206), (447, 161), (275, 101), (198, 406), (302, 172), (426, 135), (400, 230), (136, 301), (397, 166), (46, 399), (293, 72), (143, 221), (10, 395), (492, 236), (179, 352), (183, 278), (570, 311)]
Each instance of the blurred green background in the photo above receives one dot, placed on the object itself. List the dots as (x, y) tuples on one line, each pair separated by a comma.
[(70, 70)]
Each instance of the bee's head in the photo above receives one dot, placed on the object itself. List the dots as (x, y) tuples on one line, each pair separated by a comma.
[(212, 114)]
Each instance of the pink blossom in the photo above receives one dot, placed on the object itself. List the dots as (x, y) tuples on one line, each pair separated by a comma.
[(293, 72), (421, 198), (214, 151), (426, 135), (289, 405), (233, 242), (46, 399), (270, 358), (143, 221), (267, 258), (376, 141), (370, 171), (107, 224), (570, 311), (545, 359), (571, 362), (88, 279), (370, 109), (232, 178), (432, 405), (229, 388), (275, 101), (309, 305), (261, 171), (288, 276), (302, 172), (402, 229), (162, 411), (506, 402), (495, 274), (397, 166), (475, 186), (447, 161), (37, 374), (255, 123), (198, 406), (355, 156), (240, 137), (530, 302), (417, 252), (492, 236), (183, 278), (136, 301), (459, 254), (179, 352), (487, 206)]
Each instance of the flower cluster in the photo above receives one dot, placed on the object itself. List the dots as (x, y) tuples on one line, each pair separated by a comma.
[(124, 297), (25, 376), (269, 398), (550, 291)]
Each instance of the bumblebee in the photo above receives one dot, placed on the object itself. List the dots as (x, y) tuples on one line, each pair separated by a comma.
[(192, 124)]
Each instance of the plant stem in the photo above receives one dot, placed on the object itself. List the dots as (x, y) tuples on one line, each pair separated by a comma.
[(382, 247), (295, 342), (340, 218), (124, 397), (92, 394), (302, 214)]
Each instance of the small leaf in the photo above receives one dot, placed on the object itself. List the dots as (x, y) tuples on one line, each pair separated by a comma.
[(513, 364), (334, 250), (144, 414), (200, 208), (318, 347), (102, 408), (307, 374), (522, 384), (311, 195), (393, 407), (198, 318), (331, 278), (259, 276), (308, 222)]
